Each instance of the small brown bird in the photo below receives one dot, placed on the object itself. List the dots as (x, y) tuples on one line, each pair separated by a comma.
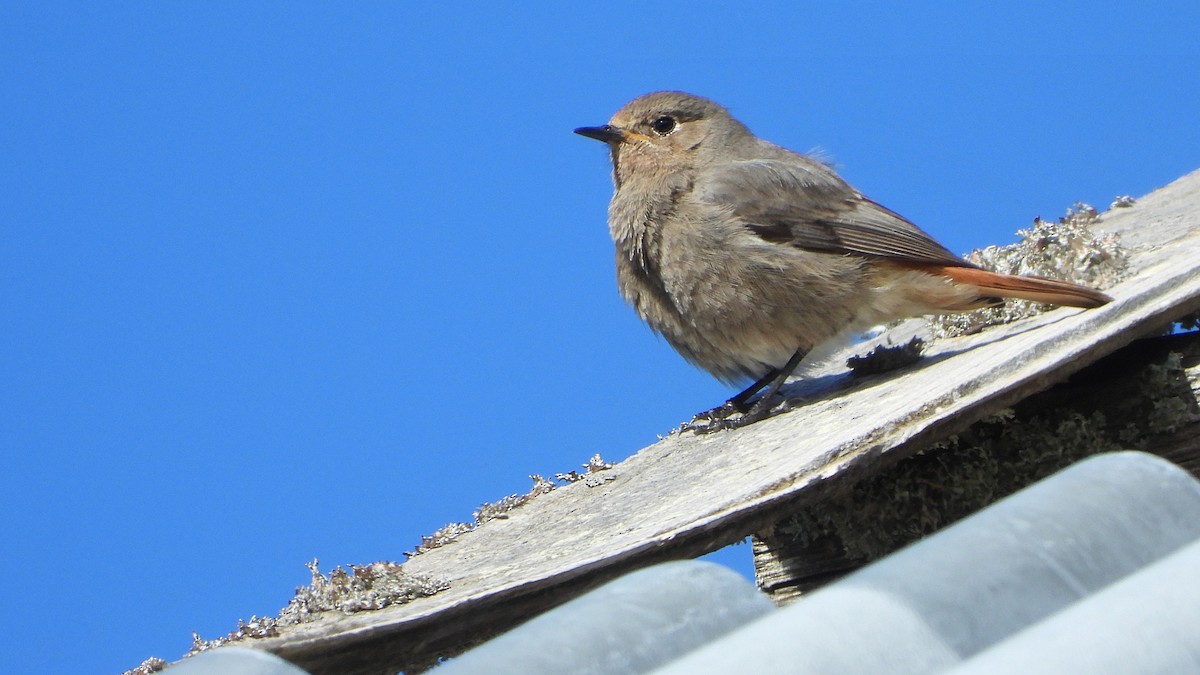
[(746, 256)]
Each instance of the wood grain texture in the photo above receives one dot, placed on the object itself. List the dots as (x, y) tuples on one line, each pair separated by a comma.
[(1141, 397), (688, 494)]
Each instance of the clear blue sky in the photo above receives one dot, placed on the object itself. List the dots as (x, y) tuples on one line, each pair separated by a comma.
[(280, 281)]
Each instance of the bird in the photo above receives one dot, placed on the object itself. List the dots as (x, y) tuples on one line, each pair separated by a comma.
[(746, 256)]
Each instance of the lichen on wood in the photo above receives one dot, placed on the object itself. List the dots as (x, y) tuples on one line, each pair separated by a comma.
[(1067, 249), (1126, 401)]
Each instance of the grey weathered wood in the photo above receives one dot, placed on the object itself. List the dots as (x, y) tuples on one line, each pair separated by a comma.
[(1142, 397), (690, 494)]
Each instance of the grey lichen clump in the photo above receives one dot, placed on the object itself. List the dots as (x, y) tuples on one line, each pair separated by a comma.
[(1067, 250), (148, 667), (359, 589), (486, 512), (501, 508), (886, 358), (590, 475), (1163, 414)]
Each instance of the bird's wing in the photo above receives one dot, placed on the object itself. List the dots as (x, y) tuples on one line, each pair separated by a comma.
[(802, 203)]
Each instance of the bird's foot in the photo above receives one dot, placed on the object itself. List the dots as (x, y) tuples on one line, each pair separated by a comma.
[(713, 420), (730, 415), (720, 412)]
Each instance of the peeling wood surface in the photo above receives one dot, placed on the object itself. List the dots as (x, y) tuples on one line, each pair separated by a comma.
[(690, 494)]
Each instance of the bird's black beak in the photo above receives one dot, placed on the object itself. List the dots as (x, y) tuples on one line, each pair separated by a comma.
[(607, 133)]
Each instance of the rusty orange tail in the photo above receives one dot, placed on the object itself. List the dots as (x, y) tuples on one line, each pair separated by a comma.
[(1037, 289)]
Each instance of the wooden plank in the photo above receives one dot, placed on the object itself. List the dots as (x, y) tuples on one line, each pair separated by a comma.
[(690, 494), (1141, 397)]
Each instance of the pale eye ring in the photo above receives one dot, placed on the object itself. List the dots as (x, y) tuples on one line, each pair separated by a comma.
[(664, 125)]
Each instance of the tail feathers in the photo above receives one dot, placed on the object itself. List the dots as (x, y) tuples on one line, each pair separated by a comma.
[(1037, 289)]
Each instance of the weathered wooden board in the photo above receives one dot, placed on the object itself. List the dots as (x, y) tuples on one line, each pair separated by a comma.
[(1141, 397), (688, 494)]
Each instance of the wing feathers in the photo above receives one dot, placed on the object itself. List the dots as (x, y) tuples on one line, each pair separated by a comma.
[(805, 204)]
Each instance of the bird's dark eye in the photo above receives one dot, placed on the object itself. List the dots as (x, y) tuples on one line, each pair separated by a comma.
[(664, 125)]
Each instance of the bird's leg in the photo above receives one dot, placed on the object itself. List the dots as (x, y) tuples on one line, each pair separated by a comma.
[(737, 404), (718, 417), (763, 405)]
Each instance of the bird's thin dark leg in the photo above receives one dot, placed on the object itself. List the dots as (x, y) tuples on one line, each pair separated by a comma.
[(739, 402), (717, 418), (763, 405)]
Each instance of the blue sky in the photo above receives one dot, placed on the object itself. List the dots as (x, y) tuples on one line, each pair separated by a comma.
[(284, 282)]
